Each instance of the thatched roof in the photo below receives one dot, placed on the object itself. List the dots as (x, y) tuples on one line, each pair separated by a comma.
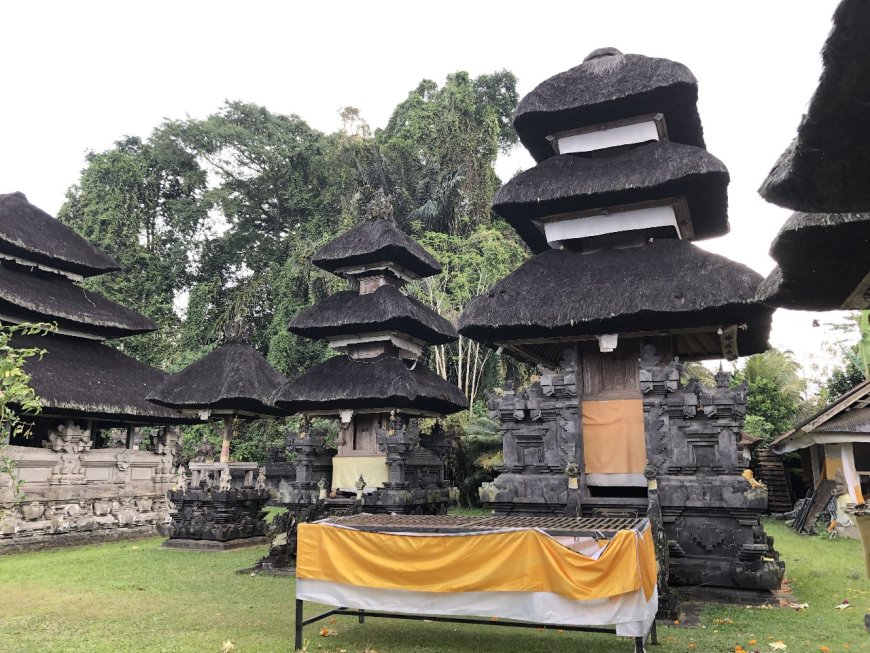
[(342, 383), (30, 233), (610, 86), (376, 241), (84, 378), (386, 309), (650, 171), (233, 377), (46, 297), (827, 165), (823, 257), (666, 285)]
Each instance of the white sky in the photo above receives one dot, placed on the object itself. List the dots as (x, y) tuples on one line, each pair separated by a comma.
[(77, 76)]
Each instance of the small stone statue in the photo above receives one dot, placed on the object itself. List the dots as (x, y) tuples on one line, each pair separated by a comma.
[(261, 480), (322, 485), (572, 471), (360, 486), (181, 482), (226, 481)]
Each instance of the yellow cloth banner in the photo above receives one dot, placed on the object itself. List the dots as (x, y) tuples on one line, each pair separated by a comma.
[(515, 561), (614, 440)]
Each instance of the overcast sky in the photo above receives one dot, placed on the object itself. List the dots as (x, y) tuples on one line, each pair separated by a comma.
[(79, 75)]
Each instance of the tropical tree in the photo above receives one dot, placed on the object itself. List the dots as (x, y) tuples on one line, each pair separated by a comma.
[(776, 392), (470, 266), (143, 204), (17, 399)]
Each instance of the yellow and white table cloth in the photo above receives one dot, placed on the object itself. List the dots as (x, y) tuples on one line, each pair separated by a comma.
[(521, 574)]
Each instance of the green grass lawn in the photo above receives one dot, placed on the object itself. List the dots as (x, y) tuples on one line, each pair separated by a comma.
[(136, 597)]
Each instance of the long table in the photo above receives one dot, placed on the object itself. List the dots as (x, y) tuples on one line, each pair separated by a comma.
[(573, 574)]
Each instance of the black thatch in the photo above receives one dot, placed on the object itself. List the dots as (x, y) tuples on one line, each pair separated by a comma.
[(84, 378), (46, 297), (610, 86), (827, 165), (650, 171), (342, 383), (30, 233), (663, 285), (822, 257), (386, 309), (376, 241), (233, 377)]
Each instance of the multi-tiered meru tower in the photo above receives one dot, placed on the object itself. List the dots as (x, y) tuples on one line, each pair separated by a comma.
[(377, 386), (614, 300)]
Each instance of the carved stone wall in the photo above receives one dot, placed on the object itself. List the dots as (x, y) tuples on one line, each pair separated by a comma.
[(72, 493), (539, 426), (710, 514), (219, 502)]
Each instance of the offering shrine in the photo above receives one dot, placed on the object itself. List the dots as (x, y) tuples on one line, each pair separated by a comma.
[(221, 505), (614, 300), (377, 386)]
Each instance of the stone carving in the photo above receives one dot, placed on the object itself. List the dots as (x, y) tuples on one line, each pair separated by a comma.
[(711, 525), (261, 480), (222, 509)]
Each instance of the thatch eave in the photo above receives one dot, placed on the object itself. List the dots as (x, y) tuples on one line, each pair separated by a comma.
[(28, 232), (636, 174), (386, 309), (609, 88)]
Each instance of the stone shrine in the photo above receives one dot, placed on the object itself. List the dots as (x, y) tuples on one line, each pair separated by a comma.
[(613, 300), (376, 387)]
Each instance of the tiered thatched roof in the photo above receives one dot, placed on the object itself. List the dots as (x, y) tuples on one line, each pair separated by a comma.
[(30, 233), (232, 378), (822, 258), (639, 173), (34, 296), (376, 241), (606, 87), (84, 378), (386, 309), (385, 382), (826, 167), (664, 286)]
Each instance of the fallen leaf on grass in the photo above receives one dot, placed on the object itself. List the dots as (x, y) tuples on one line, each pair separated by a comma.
[(778, 645), (328, 632), (845, 604), (228, 647), (799, 606)]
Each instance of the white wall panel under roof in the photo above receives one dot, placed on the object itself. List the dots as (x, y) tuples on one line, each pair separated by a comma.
[(639, 132), (608, 223)]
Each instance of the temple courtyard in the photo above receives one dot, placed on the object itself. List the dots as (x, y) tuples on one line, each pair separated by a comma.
[(133, 596)]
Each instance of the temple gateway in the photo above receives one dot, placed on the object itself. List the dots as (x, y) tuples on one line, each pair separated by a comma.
[(614, 300)]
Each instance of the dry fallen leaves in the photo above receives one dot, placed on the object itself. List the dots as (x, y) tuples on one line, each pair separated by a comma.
[(228, 647), (844, 605), (778, 645)]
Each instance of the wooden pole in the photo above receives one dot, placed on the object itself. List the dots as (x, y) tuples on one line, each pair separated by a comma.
[(228, 434)]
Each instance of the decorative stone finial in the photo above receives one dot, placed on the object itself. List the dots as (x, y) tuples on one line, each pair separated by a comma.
[(601, 52), (238, 330)]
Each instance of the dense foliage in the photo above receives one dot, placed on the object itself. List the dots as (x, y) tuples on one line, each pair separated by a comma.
[(217, 218), (776, 397)]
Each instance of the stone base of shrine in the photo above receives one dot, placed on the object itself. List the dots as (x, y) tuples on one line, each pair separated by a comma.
[(214, 545), (45, 541)]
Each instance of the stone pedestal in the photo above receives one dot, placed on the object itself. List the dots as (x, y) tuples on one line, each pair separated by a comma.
[(709, 513), (221, 508)]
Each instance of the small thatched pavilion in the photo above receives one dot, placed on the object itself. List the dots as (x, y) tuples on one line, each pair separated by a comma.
[(614, 299), (823, 250), (77, 485), (376, 387), (222, 507)]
